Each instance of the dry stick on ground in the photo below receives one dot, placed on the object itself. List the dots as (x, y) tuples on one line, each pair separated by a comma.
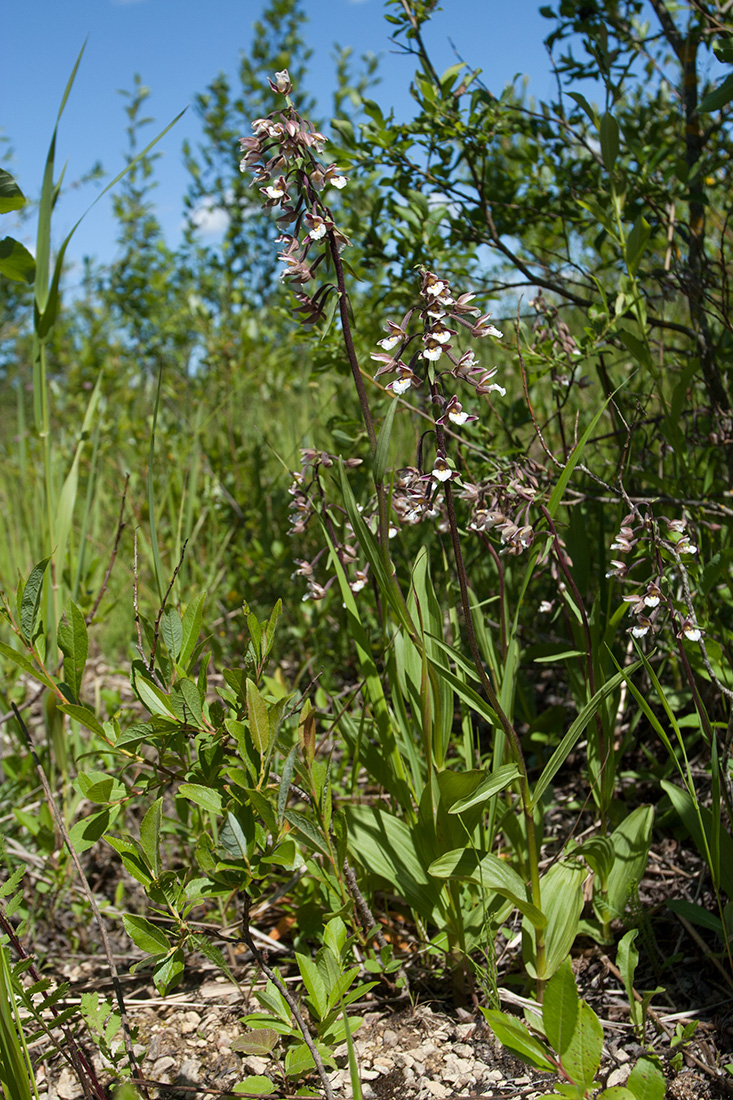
[(61, 826), (656, 1019), (283, 989)]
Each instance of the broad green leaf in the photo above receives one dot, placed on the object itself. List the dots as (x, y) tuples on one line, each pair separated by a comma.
[(132, 858), (560, 1008), (493, 874), (631, 840), (97, 786), (309, 831), (256, 1085), (514, 1036), (718, 98), (204, 797), (598, 853), (73, 642), (609, 140), (385, 846), (85, 717), (313, 982), (150, 836), (150, 695), (562, 904), (495, 782), (168, 972), (298, 1060), (646, 1080), (87, 831), (11, 196), (636, 243), (185, 702), (259, 721), (148, 937), (582, 1057), (233, 838), (171, 631), (31, 600), (16, 262), (191, 628)]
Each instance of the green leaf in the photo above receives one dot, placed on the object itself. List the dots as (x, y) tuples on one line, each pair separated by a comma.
[(150, 836), (11, 196), (185, 701), (636, 243), (314, 983), (514, 1036), (493, 874), (256, 1084), (171, 631), (73, 642), (646, 1080), (582, 1057), (696, 914), (204, 797), (298, 1060), (609, 140), (85, 717), (259, 722), (560, 1008), (191, 628), (233, 838), (16, 262), (583, 102), (495, 782), (31, 601), (714, 100), (86, 832), (385, 846), (146, 936), (562, 904), (631, 840), (150, 695), (167, 973), (698, 821), (568, 742), (26, 664), (598, 853)]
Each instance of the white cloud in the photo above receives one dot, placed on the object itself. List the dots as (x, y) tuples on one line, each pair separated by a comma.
[(210, 221)]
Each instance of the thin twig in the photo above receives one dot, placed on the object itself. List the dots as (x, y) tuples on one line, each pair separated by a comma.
[(156, 629), (136, 609), (292, 1003), (113, 556)]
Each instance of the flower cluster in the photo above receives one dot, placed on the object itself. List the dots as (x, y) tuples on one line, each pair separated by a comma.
[(440, 311), (641, 532), (304, 486), (284, 153), (502, 504), (549, 327)]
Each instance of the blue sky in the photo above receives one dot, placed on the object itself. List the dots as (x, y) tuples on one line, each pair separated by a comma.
[(178, 46)]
